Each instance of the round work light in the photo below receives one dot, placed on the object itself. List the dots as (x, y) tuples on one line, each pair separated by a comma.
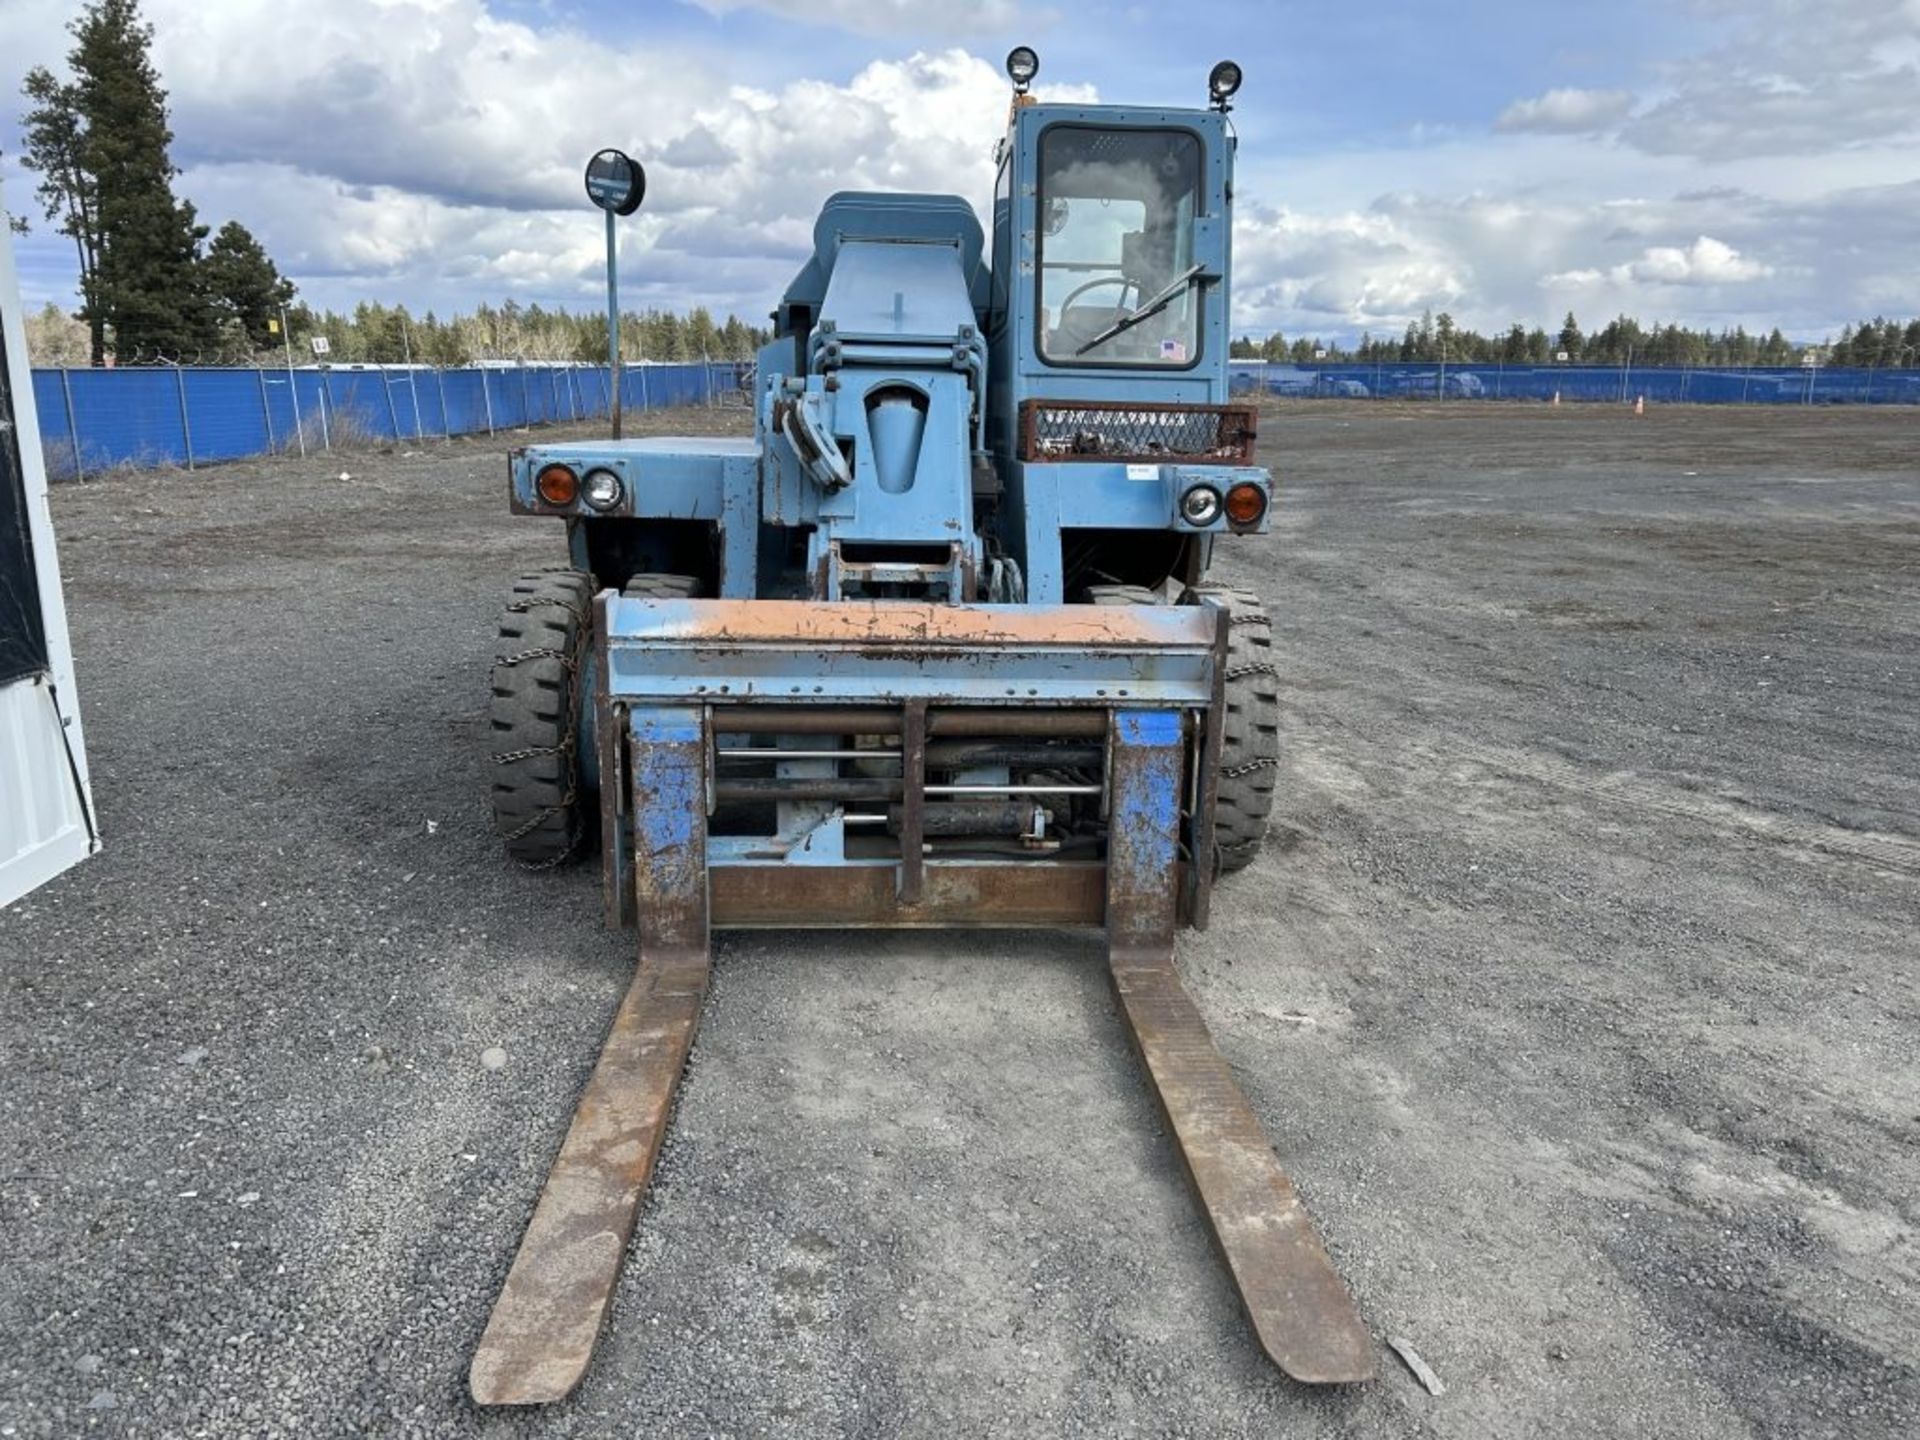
[(1022, 65), (1223, 82)]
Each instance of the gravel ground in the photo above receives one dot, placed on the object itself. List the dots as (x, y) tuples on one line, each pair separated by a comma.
[(1576, 989)]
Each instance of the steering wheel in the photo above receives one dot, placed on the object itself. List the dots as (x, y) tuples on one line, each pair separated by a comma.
[(1078, 337)]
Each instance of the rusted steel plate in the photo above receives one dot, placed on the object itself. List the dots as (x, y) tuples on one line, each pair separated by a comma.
[(548, 1317), (1012, 895), (1299, 1306), (913, 624), (856, 653)]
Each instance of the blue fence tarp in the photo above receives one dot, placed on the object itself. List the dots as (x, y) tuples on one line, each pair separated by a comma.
[(1677, 385), (92, 419)]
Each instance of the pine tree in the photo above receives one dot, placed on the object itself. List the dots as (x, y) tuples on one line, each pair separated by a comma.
[(54, 135), (1571, 340), (146, 282), (244, 286), (702, 337)]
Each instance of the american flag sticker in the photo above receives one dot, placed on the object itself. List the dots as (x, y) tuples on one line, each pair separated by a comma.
[(1175, 350)]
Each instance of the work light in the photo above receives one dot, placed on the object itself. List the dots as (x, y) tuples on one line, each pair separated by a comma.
[(1223, 82), (1022, 65)]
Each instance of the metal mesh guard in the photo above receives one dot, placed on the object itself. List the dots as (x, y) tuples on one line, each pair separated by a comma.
[(1110, 430)]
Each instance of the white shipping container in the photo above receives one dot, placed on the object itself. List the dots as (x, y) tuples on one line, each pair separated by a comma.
[(46, 806)]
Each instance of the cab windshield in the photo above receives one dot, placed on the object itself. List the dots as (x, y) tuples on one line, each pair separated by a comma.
[(1118, 279)]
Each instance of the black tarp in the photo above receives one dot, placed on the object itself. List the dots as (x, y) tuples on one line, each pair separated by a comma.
[(23, 631)]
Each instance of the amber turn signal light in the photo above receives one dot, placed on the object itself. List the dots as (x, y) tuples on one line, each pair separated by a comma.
[(1246, 503), (558, 485)]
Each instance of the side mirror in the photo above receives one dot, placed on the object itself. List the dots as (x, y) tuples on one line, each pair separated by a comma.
[(616, 182)]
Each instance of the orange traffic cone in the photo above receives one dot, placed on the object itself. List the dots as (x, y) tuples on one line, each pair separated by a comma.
[(1639, 404)]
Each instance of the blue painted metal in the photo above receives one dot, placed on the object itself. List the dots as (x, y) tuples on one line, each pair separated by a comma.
[(885, 475), (1143, 842)]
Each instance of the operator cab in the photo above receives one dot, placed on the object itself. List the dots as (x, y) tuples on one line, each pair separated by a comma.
[(1110, 252)]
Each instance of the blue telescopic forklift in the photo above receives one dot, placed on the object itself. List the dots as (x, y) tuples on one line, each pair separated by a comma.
[(936, 647)]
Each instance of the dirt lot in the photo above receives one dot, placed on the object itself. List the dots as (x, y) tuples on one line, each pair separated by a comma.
[(1577, 989)]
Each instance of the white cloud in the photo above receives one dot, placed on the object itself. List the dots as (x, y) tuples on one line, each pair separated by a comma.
[(441, 155), (1792, 79), (429, 151), (885, 17), (1706, 261), (1714, 256), (1339, 271), (1567, 111)]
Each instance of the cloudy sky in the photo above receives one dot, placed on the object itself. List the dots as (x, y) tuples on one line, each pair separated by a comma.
[(1711, 161)]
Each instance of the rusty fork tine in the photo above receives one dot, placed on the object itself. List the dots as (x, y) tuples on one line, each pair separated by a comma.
[(1297, 1302), (547, 1320)]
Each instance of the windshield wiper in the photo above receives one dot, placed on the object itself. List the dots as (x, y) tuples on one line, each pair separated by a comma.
[(1152, 307)]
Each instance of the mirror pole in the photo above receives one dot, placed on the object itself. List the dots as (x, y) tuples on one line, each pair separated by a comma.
[(613, 325)]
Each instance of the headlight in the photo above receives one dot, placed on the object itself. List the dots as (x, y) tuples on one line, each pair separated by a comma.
[(1022, 66), (1200, 505), (602, 489)]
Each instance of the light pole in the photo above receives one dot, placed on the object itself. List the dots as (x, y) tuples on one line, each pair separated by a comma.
[(617, 185)]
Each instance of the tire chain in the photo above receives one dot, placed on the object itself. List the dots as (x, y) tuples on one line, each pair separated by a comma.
[(1265, 762), (571, 665)]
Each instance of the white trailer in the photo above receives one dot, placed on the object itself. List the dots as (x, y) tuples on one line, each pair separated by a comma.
[(46, 806)]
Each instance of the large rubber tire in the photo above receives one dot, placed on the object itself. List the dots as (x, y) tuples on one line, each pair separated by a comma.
[(1120, 595), (662, 587), (541, 809), (1250, 744)]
